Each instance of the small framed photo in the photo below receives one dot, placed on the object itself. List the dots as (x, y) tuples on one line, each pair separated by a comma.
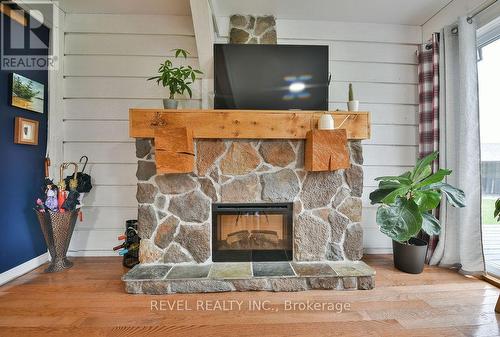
[(27, 94), (25, 131)]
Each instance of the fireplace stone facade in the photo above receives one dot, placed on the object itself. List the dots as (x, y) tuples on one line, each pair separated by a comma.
[(175, 209)]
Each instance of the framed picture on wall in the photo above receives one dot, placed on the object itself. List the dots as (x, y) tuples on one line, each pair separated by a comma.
[(27, 94), (25, 131)]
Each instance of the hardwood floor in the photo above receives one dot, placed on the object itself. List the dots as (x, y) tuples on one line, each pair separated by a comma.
[(88, 300)]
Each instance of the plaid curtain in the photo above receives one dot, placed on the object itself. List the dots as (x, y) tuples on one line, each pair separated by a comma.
[(428, 111)]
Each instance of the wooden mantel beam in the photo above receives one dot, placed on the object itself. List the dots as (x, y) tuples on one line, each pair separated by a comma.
[(244, 124)]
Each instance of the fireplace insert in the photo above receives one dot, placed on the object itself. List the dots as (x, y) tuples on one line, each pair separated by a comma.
[(252, 232)]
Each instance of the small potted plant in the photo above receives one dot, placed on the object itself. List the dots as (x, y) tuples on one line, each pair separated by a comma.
[(177, 79), (406, 208), (352, 105)]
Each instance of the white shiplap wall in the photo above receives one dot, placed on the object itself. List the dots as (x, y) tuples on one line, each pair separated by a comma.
[(107, 59), (380, 61)]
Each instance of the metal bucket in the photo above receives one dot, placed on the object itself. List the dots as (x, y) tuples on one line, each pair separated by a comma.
[(57, 229)]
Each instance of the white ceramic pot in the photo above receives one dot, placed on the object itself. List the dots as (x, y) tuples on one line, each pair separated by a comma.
[(353, 105), (326, 122)]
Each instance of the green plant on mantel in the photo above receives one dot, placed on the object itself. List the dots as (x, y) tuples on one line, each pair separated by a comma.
[(497, 210), (177, 79), (351, 93), (407, 200)]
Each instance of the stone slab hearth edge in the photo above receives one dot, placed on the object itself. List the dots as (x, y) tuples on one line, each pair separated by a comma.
[(249, 276)]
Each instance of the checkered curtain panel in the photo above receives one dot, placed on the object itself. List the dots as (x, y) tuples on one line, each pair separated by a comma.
[(428, 109)]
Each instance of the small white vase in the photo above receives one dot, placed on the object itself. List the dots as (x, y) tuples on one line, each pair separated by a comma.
[(326, 122), (353, 105)]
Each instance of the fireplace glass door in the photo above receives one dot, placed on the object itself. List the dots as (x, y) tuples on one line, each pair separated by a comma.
[(252, 232)]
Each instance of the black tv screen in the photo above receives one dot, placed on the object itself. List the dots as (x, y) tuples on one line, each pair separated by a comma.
[(271, 77)]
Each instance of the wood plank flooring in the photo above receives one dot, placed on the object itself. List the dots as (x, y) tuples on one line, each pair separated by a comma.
[(88, 300)]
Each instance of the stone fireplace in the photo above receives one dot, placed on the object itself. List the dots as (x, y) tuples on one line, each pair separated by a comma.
[(175, 210)]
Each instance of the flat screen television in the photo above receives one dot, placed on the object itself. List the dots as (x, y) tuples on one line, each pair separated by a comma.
[(271, 77)]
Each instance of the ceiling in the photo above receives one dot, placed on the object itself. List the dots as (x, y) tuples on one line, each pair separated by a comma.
[(160, 7), (404, 12)]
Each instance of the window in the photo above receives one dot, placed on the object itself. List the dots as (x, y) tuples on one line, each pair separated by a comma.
[(489, 107)]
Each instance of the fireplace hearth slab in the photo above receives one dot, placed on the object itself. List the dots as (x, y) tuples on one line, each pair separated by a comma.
[(189, 272), (353, 269), (235, 270), (248, 276), (313, 269), (272, 269), (147, 272)]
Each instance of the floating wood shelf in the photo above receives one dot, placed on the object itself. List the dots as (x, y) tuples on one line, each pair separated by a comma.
[(174, 131), (244, 124)]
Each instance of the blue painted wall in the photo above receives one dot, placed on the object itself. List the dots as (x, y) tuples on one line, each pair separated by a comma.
[(21, 173)]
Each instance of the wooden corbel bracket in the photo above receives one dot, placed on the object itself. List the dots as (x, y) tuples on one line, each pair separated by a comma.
[(326, 150), (174, 150)]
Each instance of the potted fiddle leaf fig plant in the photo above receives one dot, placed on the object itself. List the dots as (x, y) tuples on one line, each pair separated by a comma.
[(406, 205), (177, 79)]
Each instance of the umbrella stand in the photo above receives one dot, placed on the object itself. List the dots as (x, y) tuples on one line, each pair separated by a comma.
[(57, 230)]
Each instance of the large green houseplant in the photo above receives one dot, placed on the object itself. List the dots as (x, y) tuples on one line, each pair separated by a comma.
[(177, 79), (406, 204)]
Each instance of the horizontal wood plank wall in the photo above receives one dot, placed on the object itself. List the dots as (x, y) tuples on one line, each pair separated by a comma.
[(380, 61), (107, 60)]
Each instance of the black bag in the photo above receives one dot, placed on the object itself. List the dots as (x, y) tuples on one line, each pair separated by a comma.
[(84, 180)]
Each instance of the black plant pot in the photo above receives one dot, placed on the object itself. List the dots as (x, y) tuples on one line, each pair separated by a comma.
[(410, 257)]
